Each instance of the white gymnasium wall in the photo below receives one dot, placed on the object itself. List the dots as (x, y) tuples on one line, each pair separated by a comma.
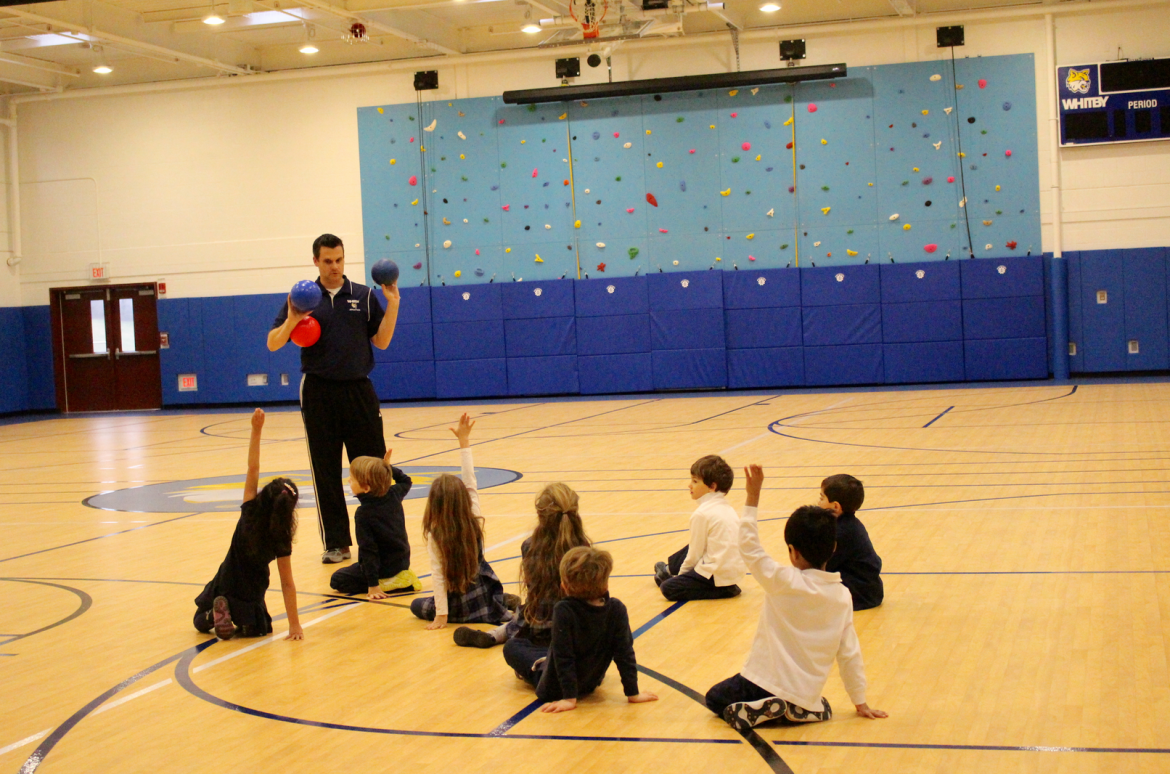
[(221, 190)]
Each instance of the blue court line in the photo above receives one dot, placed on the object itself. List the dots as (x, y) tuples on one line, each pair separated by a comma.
[(45, 747), (86, 604), (99, 537), (940, 416), (977, 747)]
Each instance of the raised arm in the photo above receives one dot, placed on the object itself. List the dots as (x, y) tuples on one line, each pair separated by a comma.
[(385, 332), (467, 466), (765, 569), (253, 478), (279, 335), (402, 482)]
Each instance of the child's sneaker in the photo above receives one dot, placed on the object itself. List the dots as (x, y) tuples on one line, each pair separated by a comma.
[(661, 572), (801, 715), (466, 637), (512, 602), (743, 715), (222, 614), (403, 580)]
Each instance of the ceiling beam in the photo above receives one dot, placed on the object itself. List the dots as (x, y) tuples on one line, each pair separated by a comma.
[(39, 64), (131, 43), (408, 25), (25, 76)]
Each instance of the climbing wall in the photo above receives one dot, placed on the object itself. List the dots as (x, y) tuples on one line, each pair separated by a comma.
[(898, 163)]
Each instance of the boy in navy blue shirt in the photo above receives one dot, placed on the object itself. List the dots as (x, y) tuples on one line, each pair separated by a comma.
[(855, 558), (383, 547)]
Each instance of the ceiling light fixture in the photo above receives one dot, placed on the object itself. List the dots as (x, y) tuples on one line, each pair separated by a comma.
[(770, 7), (101, 68), (212, 17), (531, 28), (308, 47)]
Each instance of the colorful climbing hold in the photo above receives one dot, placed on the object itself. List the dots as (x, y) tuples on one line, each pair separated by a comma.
[(894, 216), (951, 179), (734, 115), (824, 141), (628, 145), (930, 248), (414, 203), (750, 236), (660, 165), (825, 210), (418, 265), (601, 267), (1007, 153), (725, 193), (747, 146), (936, 77), (393, 162), (662, 231), (633, 253), (927, 180), (538, 259), (788, 146), (733, 92), (458, 273), (812, 107), (692, 150), (905, 226), (651, 200), (413, 180), (983, 83)]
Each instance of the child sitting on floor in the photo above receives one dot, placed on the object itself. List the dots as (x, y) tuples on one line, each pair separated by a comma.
[(807, 621), (383, 548), (854, 557), (590, 630)]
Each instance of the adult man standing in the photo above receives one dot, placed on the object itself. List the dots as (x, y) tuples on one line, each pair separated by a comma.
[(338, 403)]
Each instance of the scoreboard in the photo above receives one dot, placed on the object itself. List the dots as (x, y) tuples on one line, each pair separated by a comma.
[(1125, 101)]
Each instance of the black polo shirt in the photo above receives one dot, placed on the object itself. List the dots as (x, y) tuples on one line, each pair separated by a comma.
[(348, 321)]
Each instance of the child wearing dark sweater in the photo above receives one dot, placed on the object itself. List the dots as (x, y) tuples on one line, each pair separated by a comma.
[(590, 630), (855, 557), (383, 548)]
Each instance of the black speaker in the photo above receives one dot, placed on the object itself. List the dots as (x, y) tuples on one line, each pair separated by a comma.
[(569, 68), (424, 80), (594, 60), (791, 49), (949, 36)]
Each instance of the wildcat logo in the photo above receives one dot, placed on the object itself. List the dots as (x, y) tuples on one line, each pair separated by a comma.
[(1078, 81)]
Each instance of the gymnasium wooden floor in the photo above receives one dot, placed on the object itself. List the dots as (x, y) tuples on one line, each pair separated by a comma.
[(1026, 626)]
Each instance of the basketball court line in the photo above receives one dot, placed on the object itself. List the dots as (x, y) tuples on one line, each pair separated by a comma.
[(980, 747)]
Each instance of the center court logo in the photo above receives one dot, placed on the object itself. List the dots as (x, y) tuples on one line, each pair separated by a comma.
[(223, 494)]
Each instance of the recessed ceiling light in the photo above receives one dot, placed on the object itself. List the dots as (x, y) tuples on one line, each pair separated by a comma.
[(770, 7), (308, 48), (530, 28), (103, 69), (213, 19)]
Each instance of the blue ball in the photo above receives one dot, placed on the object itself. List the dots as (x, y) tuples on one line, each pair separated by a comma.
[(385, 272), (305, 295)]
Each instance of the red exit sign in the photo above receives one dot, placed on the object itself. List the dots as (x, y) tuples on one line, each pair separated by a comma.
[(188, 383)]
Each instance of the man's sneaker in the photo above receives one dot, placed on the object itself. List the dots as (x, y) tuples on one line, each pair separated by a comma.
[(466, 637), (222, 614), (403, 580), (743, 715), (334, 555), (512, 602), (661, 572)]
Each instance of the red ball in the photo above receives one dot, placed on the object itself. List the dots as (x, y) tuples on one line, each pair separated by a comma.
[(306, 332)]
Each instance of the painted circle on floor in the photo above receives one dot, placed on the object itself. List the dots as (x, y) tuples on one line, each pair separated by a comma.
[(224, 493)]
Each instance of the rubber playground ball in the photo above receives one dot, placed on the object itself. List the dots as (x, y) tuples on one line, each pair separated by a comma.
[(385, 272), (305, 295), (306, 332)]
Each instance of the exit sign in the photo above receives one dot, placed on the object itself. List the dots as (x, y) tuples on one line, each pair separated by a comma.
[(99, 271), (188, 383)]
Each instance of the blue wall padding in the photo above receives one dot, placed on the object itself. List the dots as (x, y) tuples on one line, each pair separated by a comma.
[(471, 378), (1021, 276), (922, 321), (620, 295), (1145, 306), (38, 338), (750, 289), (482, 303), (601, 374), (1075, 326), (901, 283), (553, 298), (414, 304), (185, 354), (14, 374), (933, 361), (996, 359), (473, 340), (543, 375), (412, 342), (775, 327), (685, 290), (534, 337), (404, 381), (689, 369), (613, 335), (253, 321), (852, 324), (857, 285), (775, 367), (846, 364), (1103, 324), (1004, 318), (686, 329), (223, 351)]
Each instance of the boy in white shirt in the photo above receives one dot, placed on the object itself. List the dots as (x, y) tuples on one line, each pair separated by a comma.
[(806, 622), (709, 567)]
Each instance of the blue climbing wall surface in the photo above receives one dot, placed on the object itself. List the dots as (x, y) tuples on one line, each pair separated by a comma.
[(911, 162)]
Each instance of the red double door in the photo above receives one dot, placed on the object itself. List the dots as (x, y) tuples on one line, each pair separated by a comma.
[(105, 343)]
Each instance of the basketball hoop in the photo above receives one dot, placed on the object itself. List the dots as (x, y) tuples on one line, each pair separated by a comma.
[(589, 14)]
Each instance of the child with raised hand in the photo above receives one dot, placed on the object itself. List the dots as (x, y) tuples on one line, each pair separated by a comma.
[(232, 603), (590, 630), (806, 622), (558, 528), (383, 563), (466, 588)]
